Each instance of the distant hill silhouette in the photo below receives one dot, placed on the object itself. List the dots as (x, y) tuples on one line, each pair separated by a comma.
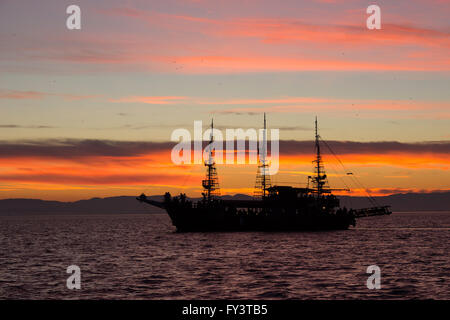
[(437, 201), (129, 204)]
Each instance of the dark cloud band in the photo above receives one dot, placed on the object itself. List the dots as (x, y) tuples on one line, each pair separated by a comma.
[(73, 148)]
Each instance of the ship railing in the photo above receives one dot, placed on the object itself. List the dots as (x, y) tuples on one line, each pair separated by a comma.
[(372, 211)]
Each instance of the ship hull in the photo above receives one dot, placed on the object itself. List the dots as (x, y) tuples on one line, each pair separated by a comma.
[(216, 220)]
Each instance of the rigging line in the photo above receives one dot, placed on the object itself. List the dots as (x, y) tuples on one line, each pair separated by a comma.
[(364, 189), (369, 196), (332, 166), (334, 169)]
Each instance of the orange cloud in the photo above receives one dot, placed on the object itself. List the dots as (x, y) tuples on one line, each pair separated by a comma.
[(288, 30), (379, 192), (19, 95), (135, 167), (14, 94), (139, 171), (401, 160)]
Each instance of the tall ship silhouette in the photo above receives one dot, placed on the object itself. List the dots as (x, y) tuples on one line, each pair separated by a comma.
[(273, 207)]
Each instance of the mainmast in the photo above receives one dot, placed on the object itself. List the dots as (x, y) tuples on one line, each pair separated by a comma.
[(262, 176), (319, 180), (211, 183)]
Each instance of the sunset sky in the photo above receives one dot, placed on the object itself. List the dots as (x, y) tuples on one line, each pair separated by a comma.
[(89, 113)]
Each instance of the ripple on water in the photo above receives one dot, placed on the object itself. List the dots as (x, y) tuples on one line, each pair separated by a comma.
[(140, 257)]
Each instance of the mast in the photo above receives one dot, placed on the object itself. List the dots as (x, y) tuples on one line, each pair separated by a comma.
[(211, 183), (262, 177), (319, 180)]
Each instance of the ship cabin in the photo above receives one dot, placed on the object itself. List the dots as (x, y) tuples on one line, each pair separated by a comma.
[(288, 194)]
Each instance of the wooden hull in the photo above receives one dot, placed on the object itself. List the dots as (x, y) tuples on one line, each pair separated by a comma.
[(220, 219)]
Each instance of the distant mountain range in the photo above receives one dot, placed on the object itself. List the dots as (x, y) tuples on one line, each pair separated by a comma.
[(129, 204)]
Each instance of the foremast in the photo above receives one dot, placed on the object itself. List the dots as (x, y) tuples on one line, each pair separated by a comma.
[(262, 175), (211, 182)]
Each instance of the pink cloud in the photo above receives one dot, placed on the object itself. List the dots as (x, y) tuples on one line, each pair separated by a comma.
[(150, 99), (19, 95)]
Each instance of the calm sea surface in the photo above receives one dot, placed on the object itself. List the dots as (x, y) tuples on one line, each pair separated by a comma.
[(140, 257)]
